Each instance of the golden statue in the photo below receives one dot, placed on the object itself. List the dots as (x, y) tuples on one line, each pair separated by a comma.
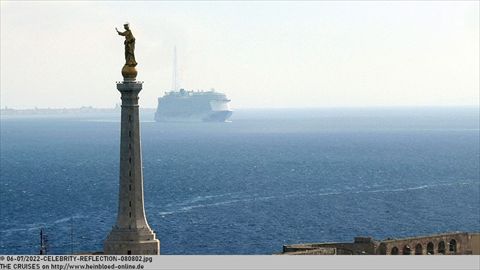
[(128, 70)]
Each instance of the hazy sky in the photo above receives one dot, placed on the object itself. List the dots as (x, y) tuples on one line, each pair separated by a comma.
[(261, 54)]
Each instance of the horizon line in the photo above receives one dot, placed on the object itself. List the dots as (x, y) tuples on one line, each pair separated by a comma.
[(3, 108)]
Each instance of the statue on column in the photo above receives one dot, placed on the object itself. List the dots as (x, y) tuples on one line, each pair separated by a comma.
[(128, 71)]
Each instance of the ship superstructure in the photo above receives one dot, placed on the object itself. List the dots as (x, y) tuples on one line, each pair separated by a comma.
[(192, 106), (182, 105)]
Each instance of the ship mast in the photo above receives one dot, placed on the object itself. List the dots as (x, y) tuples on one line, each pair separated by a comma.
[(174, 75)]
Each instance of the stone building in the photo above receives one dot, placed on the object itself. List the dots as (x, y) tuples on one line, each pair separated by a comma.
[(455, 243)]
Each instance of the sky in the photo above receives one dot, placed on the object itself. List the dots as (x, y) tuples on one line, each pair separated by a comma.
[(261, 54)]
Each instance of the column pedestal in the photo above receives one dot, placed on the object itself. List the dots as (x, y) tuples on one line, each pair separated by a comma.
[(131, 233)]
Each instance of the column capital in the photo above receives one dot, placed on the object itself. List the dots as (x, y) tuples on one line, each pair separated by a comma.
[(129, 87)]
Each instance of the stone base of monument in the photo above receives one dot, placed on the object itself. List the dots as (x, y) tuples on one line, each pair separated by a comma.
[(131, 242)]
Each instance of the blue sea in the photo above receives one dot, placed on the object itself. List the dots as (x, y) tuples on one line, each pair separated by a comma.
[(249, 186)]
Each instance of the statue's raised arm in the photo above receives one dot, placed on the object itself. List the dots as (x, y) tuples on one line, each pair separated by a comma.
[(121, 33)]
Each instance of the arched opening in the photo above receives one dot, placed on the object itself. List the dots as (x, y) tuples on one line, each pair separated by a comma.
[(441, 247), (418, 249), (406, 250), (430, 248), (382, 249), (453, 246), (394, 251)]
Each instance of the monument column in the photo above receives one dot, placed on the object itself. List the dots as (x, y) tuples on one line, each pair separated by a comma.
[(131, 234)]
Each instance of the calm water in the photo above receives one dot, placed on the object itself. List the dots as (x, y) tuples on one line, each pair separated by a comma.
[(268, 178)]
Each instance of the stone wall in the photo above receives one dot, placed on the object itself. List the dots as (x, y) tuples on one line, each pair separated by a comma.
[(438, 244)]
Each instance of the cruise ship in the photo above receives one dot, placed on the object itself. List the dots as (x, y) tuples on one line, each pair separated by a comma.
[(193, 106), (180, 105)]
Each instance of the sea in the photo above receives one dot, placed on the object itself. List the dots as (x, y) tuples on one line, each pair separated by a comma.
[(267, 178)]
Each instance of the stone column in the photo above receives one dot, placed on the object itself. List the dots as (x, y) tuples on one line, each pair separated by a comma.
[(131, 233)]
